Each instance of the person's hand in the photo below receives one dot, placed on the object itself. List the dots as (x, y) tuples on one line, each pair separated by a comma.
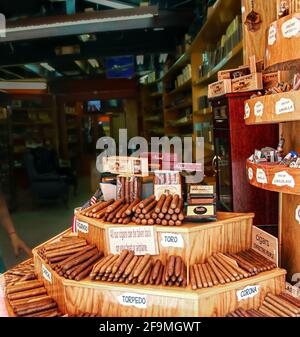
[(18, 245)]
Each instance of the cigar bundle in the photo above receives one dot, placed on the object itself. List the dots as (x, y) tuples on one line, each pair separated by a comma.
[(79, 265), (129, 268), (20, 273), (224, 268), (283, 305), (61, 249), (167, 211), (114, 211), (29, 299), (129, 187)]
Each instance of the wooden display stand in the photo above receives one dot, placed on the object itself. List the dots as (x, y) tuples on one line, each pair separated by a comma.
[(274, 177), (232, 232), (282, 39), (281, 54), (283, 107)]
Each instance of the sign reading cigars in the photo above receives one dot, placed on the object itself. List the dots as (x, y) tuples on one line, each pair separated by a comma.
[(265, 244), (140, 239)]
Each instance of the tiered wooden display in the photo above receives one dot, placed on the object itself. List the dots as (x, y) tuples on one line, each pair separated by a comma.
[(274, 177), (282, 53), (231, 233)]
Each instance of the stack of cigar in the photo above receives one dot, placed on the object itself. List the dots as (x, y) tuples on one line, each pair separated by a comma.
[(283, 305), (61, 249), (224, 268), (175, 272), (30, 299), (79, 265), (167, 211), (114, 211), (127, 268), (20, 273)]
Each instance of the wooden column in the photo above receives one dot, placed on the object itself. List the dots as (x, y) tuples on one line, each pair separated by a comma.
[(254, 42)]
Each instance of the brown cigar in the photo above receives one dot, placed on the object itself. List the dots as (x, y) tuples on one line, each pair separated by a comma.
[(179, 207), (131, 275), (86, 264), (164, 222), (166, 204), (129, 210), (156, 269), (202, 276), (160, 275), (111, 208), (160, 203), (193, 279), (126, 220), (125, 263), (178, 223), (131, 265), (168, 217), (216, 271), (102, 205), (119, 261), (178, 262), (113, 214), (142, 265), (171, 223), (222, 269), (149, 207), (174, 217), (24, 286), (108, 263), (121, 211), (158, 221), (79, 259), (197, 276), (207, 275), (39, 308), (147, 201), (175, 201), (161, 215), (171, 211), (145, 271), (151, 222), (98, 266), (147, 277), (27, 293)]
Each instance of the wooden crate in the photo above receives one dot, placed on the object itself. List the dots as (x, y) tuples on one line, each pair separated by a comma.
[(282, 41), (105, 299), (249, 82), (219, 88), (227, 74), (270, 80), (230, 233)]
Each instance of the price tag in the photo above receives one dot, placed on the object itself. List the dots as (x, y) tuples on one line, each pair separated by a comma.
[(297, 214), (272, 35), (265, 244), (258, 109), (283, 179), (261, 176), (284, 105), (290, 28), (133, 300), (247, 111), (82, 227), (171, 240), (140, 239), (46, 273), (247, 292), (250, 173)]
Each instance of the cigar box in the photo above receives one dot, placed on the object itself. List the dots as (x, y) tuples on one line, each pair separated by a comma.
[(219, 88), (247, 83), (230, 73), (196, 201), (270, 80), (167, 182), (201, 211), (129, 187), (201, 191)]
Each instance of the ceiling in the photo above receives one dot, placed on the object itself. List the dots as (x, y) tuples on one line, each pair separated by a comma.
[(67, 53)]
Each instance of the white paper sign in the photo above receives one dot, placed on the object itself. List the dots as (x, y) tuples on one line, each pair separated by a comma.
[(272, 35), (284, 105), (247, 111), (258, 109), (247, 292), (171, 240), (82, 227), (46, 273), (283, 179), (297, 214), (261, 176), (250, 173), (290, 28), (135, 300), (265, 244), (140, 239)]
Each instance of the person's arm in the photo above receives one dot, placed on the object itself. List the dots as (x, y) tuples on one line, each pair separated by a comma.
[(6, 221)]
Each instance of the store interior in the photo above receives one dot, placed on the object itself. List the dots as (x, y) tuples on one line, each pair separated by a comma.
[(73, 71)]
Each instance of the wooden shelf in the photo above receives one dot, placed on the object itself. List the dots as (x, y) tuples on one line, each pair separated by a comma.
[(184, 87), (179, 124), (228, 62), (281, 51), (277, 108), (274, 177), (180, 106)]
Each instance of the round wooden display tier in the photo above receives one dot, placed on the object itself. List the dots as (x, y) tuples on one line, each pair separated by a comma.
[(277, 108), (231, 232), (109, 299), (274, 177), (282, 42)]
